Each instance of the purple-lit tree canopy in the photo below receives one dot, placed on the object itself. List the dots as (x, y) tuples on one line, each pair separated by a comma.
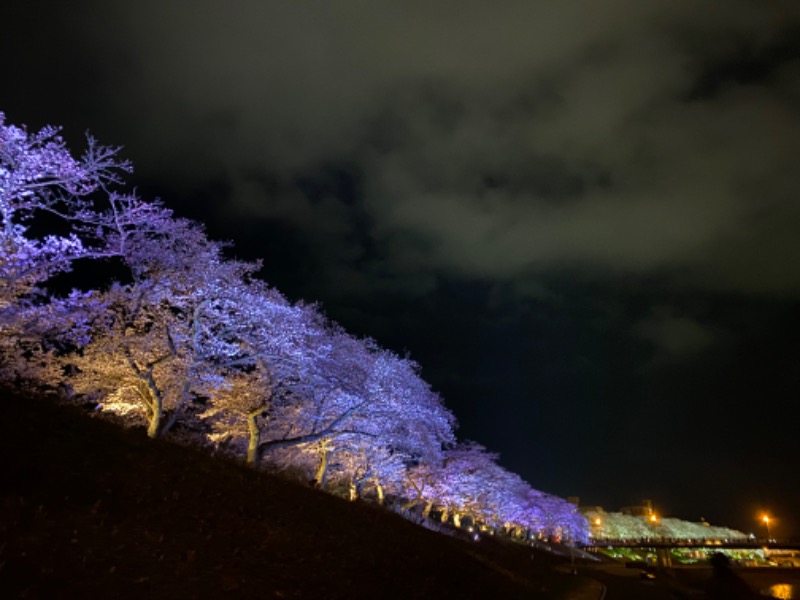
[(40, 178), (183, 338)]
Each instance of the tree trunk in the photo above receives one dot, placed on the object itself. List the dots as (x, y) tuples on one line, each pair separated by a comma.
[(426, 512), (353, 496), (174, 414), (322, 470), (151, 395), (410, 504), (253, 433), (379, 490), (155, 409), (154, 419), (171, 420)]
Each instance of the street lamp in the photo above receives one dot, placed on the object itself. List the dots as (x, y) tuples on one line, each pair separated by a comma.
[(652, 518), (766, 520), (597, 528)]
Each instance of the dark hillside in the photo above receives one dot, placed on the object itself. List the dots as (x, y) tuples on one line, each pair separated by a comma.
[(93, 511)]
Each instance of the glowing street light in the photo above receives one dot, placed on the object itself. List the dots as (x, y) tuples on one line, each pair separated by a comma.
[(597, 528), (766, 520), (652, 519)]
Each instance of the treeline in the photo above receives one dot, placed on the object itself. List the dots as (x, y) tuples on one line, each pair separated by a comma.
[(189, 343)]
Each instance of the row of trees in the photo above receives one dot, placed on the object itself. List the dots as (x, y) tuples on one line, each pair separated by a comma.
[(163, 330)]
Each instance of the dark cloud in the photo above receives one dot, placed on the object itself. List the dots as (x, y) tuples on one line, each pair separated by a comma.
[(633, 138), (675, 337)]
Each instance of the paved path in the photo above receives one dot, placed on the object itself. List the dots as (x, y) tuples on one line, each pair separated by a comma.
[(591, 589)]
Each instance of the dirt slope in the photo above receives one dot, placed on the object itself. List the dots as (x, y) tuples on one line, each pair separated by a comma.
[(90, 510)]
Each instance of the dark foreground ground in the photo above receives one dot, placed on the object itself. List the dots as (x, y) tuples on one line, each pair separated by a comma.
[(88, 510)]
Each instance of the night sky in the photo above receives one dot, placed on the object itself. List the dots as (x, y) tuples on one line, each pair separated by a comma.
[(581, 218)]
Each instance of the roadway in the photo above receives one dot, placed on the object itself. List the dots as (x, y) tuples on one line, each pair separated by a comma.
[(622, 583), (681, 583)]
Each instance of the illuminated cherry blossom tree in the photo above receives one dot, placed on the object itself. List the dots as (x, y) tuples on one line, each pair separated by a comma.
[(40, 180), (134, 339), (399, 422), (470, 484), (262, 354), (40, 177), (142, 349)]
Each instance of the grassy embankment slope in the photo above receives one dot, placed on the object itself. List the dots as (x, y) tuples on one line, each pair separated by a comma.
[(91, 510)]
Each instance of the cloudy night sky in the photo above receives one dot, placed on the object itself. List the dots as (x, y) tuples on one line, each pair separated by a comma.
[(581, 218)]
